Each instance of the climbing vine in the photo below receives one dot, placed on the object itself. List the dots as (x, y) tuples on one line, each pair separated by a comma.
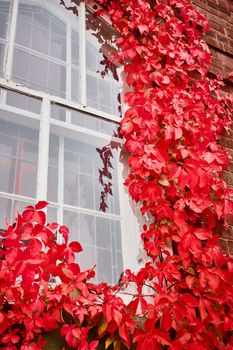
[(183, 295)]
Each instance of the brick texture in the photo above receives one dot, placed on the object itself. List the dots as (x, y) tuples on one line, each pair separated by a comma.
[(220, 41)]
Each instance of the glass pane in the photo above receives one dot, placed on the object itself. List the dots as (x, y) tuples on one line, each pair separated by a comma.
[(52, 184), (7, 174), (18, 207), (86, 229), (20, 66), (40, 41), (58, 113), (23, 32), (75, 85), (71, 188), (51, 214), (103, 238), (104, 262), (53, 150), (86, 190), (70, 219), (38, 29), (4, 15), (75, 48), (57, 79), (2, 50), (87, 258), (92, 92), (5, 211), (58, 40), (105, 94), (18, 157), (25, 182), (102, 94), (93, 56), (21, 101), (38, 72)]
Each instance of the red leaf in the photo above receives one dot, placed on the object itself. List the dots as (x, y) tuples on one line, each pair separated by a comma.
[(39, 217), (166, 320), (40, 205), (75, 247)]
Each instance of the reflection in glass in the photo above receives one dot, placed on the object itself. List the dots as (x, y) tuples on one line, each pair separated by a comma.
[(18, 157)]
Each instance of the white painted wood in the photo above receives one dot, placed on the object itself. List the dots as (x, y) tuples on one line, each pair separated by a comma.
[(8, 61), (43, 156)]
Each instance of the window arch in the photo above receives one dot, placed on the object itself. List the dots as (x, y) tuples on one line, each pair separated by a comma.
[(48, 53), (55, 110)]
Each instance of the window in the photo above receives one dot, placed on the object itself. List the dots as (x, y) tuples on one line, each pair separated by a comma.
[(55, 110)]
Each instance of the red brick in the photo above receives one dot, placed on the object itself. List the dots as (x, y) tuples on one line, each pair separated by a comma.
[(228, 177), (230, 247), (224, 245)]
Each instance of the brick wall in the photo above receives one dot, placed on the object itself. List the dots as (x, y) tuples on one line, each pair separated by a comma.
[(220, 40)]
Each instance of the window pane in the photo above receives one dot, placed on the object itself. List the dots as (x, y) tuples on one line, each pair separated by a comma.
[(92, 92), (26, 175), (71, 188), (21, 101), (102, 93), (86, 190), (57, 79), (7, 174), (4, 15), (104, 261), (75, 48), (18, 158), (20, 68), (58, 40), (86, 229), (75, 85), (87, 258), (58, 113), (93, 57), (103, 238), (51, 214), (24, 29), (18, 207), (5, 211), (38, 72), (70, 219), (2, 50), (42, 39), (52, 184)]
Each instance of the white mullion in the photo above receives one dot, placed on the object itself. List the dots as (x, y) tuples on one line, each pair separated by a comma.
[(68, 62), (68, 70), (60, 182), (130, 228), (8, 62), (43, 156), (82, 54)]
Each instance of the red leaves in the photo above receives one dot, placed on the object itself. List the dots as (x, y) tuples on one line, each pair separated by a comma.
[(32, 215), (171, 126)]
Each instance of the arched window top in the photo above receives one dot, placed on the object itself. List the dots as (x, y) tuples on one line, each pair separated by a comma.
[(50, 56)]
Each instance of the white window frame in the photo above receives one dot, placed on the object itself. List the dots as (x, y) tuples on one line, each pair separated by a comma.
[(129, 225)]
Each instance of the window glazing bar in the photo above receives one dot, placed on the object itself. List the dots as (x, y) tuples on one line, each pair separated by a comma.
[(55, 99), (82, 53), (8, 61), (43, 156)]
